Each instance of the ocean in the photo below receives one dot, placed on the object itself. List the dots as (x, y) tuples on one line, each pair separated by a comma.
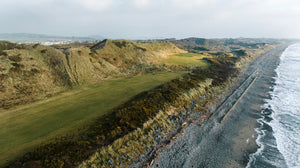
[(279, 132)]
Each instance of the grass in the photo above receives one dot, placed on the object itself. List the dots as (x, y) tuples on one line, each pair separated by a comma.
[(25, 127), (126, 118), (142, 138), (187, 59)]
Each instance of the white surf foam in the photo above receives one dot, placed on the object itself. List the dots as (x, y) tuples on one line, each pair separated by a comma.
[(285, 103), (285, 116)]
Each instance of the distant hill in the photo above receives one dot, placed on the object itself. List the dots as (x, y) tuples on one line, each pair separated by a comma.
[(219, 45), (199, 45), (28, 38)]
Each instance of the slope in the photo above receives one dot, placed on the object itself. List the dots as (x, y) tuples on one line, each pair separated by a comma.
[(67, 112), (34, 72)]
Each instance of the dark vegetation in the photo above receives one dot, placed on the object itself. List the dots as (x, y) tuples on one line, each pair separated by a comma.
[(72, 150), (239, 53), (15, 58), (16, 67)]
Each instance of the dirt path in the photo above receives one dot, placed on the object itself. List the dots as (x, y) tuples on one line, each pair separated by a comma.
[(226, 144)]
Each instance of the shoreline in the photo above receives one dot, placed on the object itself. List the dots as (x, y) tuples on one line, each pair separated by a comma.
[(229, 144)]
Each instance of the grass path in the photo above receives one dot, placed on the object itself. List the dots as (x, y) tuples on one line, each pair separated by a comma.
[(25, 127)]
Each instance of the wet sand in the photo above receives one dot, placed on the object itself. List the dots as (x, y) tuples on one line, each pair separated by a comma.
[(227, 144)]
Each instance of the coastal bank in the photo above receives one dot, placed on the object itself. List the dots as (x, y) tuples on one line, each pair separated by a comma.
[(226, 144)]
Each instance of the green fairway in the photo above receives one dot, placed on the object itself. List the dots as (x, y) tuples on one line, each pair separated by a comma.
[(187, 59), (25, 127)]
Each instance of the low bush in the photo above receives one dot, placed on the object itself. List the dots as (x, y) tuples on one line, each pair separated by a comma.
[(17, 68), (15, 58)]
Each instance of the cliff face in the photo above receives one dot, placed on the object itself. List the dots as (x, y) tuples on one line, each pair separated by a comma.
[(31, 72)]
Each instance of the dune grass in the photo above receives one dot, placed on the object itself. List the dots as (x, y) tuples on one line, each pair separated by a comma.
[(187, 59), (25, 127)]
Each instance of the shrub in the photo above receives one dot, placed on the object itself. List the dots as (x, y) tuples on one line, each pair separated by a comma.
[(3, 53), (120, 44), (44, 51), (55, 61), (15, 58), (2, 69), (17, 68), (35, 45), (34, 71)]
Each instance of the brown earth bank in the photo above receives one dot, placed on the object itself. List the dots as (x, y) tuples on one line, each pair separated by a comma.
[(226, 144)]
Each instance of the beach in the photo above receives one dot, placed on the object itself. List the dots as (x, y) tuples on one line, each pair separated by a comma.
[(228, 137)]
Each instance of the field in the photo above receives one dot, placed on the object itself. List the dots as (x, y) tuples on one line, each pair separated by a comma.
[(25, 127), (187, 59)]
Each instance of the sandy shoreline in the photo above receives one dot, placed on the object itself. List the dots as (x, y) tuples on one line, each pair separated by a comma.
[(229, 144)]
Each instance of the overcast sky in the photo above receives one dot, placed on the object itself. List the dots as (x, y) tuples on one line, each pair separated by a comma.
[(153, 18)]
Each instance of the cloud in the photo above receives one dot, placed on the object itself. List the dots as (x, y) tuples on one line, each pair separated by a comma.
[(190, 4), (142, 4), (95, 5), (206, 18)]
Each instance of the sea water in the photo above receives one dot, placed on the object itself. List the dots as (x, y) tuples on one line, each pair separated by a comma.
[(279, 131)]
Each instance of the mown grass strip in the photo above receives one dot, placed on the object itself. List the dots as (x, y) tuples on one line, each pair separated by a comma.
[(188, 59)]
